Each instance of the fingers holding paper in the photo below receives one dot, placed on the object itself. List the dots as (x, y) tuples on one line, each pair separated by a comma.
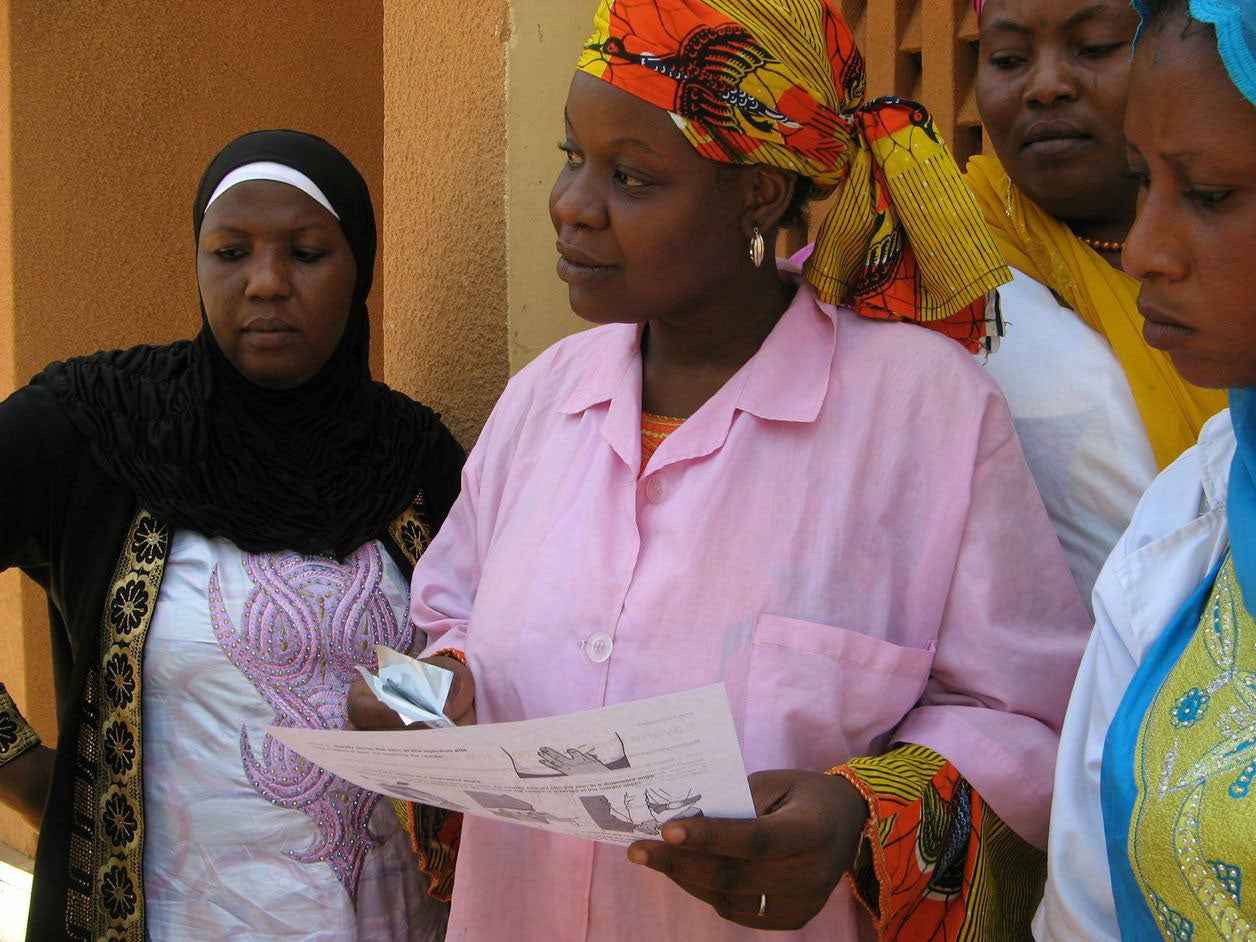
[(775, 871)]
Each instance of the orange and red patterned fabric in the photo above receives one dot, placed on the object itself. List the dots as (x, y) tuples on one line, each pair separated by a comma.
[(943, 866), (434, 837), (784, 84), (654, 430)]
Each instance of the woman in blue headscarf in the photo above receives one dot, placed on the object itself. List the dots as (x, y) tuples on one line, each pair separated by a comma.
[(1153, 831)]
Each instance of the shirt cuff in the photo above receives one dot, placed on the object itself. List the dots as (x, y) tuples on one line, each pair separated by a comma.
[(941, 863)]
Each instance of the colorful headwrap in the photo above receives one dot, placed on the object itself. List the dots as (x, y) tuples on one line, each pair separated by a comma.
[(782, 84), (1235, 21)]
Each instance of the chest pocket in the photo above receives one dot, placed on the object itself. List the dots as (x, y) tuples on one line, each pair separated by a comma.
[(818, 695)]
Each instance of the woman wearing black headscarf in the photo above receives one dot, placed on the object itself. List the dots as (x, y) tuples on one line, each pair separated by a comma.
[(224, 527)]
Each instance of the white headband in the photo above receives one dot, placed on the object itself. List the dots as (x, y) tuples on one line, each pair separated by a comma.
[(280, 173)]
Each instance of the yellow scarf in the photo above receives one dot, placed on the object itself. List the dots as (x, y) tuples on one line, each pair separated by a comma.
[(1046, 250)]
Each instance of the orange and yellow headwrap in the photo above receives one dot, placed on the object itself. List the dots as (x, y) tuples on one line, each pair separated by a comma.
[(782, 83)]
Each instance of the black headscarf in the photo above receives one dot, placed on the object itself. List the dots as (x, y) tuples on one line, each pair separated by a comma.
[(320, 468)]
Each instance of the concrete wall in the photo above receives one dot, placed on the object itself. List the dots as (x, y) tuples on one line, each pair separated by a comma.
[(542, 59), (12, 666), (925, 50), (445, 255), (111, 110)]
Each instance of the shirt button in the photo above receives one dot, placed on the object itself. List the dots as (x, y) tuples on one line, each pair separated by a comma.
[(598, 647), (655, 490)]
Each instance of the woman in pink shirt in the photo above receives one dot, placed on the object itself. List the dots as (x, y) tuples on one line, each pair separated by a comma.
[(739, 478)]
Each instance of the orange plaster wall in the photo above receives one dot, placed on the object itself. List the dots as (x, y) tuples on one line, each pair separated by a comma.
[(7, 353), (445, 257), (925, 50), (542, 60), (114, 110), (11, 829)]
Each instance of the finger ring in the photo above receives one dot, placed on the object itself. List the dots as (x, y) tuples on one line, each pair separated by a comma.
[(763, 905)]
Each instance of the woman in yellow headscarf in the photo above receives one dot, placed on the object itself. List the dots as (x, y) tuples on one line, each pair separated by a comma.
[(1098, 411)]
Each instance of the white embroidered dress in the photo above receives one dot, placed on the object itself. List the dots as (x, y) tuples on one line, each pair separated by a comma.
[(243, 836)]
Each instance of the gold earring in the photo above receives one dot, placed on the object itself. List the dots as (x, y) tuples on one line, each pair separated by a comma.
[(756, 247)]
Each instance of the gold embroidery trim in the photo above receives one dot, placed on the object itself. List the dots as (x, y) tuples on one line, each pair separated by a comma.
[(16, 735), (412, 529), (412, 532), (1191, 830), (105, 898)]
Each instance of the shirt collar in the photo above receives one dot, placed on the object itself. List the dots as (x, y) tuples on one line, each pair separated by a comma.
[(786, 380), (1216, 452), (614, 369)]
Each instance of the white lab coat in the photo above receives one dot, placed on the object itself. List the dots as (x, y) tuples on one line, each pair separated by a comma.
[(1082, 435), (1178, 533)]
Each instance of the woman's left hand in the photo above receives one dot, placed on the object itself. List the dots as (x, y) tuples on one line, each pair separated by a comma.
[(366, 712), (793, 854)]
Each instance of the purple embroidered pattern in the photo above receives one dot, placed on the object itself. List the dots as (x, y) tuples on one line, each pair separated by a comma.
[(305, 626)]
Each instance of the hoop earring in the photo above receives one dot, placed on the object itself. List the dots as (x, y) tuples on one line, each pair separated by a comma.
[(756, 247)]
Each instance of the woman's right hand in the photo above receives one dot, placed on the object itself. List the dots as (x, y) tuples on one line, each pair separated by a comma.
[(366, 712), (24, 783)]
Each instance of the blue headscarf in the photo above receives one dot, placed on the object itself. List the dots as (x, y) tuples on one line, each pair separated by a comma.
[(1235, 22)]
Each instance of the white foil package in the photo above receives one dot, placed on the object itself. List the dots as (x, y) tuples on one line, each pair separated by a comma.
[(417, 691)]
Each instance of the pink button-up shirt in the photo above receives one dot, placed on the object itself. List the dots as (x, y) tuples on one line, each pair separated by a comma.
[(845, 534)]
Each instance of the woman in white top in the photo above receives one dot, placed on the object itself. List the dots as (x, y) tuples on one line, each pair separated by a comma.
[(1097, 411)]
